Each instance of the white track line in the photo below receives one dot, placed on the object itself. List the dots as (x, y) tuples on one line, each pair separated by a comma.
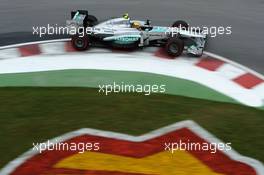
[(207, 53), (34, 42), (228, 71), (130, 62)]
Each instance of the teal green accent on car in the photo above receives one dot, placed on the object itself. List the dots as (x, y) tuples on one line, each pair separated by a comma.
[(159, 29), (126, 40)]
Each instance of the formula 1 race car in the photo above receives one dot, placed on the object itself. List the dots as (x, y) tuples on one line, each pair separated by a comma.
[(126, 33)]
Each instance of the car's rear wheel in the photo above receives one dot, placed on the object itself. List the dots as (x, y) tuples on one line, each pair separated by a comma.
[(91, 21), (80, 43), (174, 47), (181, 24)]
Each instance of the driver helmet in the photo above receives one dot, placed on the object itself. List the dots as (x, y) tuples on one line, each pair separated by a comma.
[(135, 24), (126, 16)]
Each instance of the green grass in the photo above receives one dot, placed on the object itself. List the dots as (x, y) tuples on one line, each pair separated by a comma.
[(30, 115), (93, 78)]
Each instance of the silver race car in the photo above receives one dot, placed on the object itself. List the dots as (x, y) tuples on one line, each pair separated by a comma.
[(124, 32)]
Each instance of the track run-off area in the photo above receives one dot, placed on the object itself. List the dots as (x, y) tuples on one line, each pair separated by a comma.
[(55, 63)]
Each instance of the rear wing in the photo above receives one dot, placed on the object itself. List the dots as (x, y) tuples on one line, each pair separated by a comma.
[(81, 12)]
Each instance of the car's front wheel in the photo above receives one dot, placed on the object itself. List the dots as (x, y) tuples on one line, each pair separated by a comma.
[(181, 24), (80, 43), (174, 47)]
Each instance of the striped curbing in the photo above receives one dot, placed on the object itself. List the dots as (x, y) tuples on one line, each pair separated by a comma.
[(215, 68)]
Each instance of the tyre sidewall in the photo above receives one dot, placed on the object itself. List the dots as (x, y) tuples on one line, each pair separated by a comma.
[(176, 42), (84, 42), (181, 24)]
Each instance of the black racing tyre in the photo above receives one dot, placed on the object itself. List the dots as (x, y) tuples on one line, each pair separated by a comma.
[(181, 23), (174, 47), (90, 21), (80, 43)]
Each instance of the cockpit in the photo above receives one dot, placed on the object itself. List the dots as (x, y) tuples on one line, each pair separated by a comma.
[(126, 23), (121, 22)]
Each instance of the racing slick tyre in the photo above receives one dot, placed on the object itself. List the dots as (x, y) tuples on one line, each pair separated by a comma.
[(80, 43), (181, 24), (174, 47), (91, 21)]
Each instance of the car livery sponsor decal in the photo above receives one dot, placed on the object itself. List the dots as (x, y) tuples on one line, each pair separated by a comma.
[(159, 29), (125, 154)]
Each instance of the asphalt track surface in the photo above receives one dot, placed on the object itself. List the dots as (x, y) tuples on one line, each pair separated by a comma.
[(245, 45)]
